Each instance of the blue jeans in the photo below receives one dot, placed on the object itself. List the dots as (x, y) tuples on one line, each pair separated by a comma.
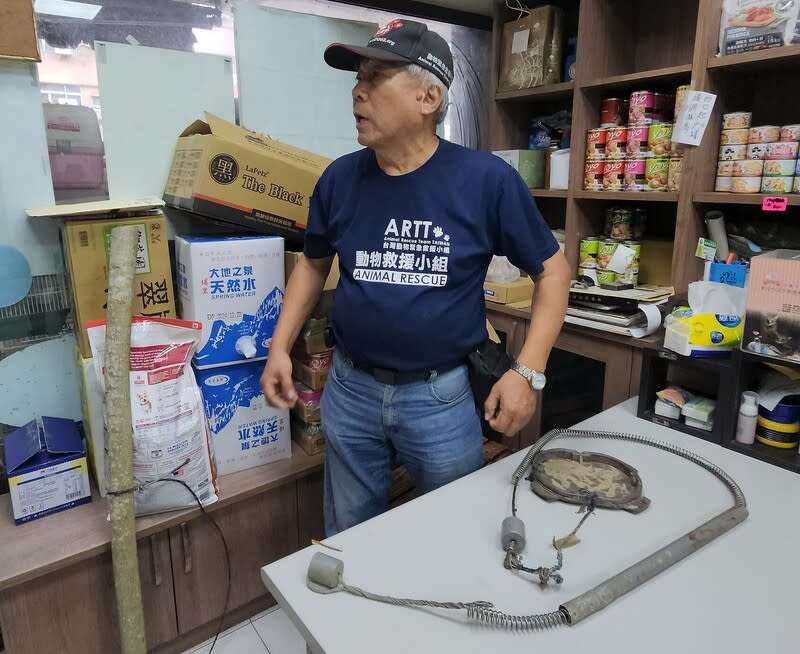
[(431, 427)]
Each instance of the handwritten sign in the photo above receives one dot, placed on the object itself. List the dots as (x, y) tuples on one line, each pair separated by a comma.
[(774, 203), (691, 124)]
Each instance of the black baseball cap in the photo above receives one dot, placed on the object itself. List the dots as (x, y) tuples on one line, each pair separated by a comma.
[(401, 41)]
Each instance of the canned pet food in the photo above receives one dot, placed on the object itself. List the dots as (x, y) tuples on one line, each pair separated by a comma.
[(635, 174), (734, 137), (746, 184), (777, 184), (607, 250), (588, 252), (790, 133), (613, 112), (616, 142), (757, 151), (639, 222), (725, 169), (657, 174), (606, 277), (659, 140), (732, 152), (591, 273), (640, 109), (747, 168), (796, 185), (779, 167), (631, 274), (764, 134), (664, 107), (593, 176), (674, 177), (737, 120), (680, 97), (723, 184), (620, 222), (614, 176), (638, 139), (596, 144), (782, 150), (797, 168)]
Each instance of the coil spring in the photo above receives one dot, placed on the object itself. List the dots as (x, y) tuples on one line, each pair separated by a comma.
[(495, 618)]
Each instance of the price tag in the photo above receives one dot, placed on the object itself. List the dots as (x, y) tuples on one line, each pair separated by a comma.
[(775, 203)]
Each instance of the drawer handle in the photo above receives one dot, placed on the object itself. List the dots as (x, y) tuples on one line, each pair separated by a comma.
[(187, 548), (154, 552)]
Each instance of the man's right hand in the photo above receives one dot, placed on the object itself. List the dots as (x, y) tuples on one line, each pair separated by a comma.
[(276, 381)]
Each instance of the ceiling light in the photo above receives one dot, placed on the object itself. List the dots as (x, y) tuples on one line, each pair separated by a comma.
[(67, 8)]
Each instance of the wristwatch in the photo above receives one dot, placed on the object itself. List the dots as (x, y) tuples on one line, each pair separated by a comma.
[(535, 378)]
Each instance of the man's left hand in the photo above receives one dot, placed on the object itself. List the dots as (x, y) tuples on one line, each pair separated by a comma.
[(511, 404)]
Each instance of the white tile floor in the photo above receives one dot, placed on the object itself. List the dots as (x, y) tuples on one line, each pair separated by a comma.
[(267, 633)]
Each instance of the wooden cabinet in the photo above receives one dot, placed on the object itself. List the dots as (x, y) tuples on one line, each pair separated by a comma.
[(310, 520)]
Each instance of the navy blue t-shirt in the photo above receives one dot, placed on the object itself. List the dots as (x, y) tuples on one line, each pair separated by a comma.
[(414, 249)]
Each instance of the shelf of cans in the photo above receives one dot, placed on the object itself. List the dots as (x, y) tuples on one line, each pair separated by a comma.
[(760, 159), (632, 150), (623, 225)]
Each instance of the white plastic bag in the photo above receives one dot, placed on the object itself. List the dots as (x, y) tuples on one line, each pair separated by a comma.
[(501, 271), (170, 433)]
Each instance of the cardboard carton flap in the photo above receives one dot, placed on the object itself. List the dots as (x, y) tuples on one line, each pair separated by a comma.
[(197, 127), (61, 436), (22, 445), (101, 208)]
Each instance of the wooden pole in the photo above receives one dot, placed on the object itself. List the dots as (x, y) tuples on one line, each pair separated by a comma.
[(122, 266)]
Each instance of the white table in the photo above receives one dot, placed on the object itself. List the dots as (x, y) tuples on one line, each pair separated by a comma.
[(739, 594)]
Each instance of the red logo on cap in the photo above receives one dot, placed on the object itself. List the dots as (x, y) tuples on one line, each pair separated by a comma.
[(383, 31)]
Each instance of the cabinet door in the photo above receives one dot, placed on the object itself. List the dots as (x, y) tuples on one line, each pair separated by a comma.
[(311, 523), (259, 530), (73, 611)]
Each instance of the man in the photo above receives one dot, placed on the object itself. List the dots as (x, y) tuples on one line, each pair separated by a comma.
[(415, 221)]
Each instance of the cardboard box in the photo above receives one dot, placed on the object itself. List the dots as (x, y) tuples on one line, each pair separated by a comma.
[(231, 174), (772, 320), (312, 337), (509, 292), (307, 407), (86, 246), (47, 469), (234, 286), (245, 430), (317, 362), (655, 263), (314, 379), (528, 163), (92, 401), (18, 37), (309, 436), (531, 52), (292, 258)]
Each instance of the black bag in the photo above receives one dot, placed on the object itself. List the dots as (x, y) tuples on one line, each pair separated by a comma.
[(486, 366)]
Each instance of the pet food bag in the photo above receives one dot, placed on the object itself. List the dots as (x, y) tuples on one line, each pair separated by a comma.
[(532, 49), (170, 433), (757, 25)]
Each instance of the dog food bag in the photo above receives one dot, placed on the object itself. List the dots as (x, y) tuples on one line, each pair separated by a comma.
[(170, 433), (757, 25)]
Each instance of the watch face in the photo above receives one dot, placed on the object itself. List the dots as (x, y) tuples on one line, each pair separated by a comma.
[(538, 380)]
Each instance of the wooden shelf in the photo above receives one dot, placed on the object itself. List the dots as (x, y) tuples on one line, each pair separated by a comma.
[(632, 196), (771, 59), (549, 193), (547, 92), (743, 198), (655, 76), (788, 459)]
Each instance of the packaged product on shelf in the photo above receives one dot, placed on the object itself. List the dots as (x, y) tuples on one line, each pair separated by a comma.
[(764, 134), (613, 175), (663, 107), (723, 184), (309, 436), (735, 137), (606, 277), (589, 248), (737, 120), (591, 273), (620, 222), (635, 174), (593, 176), (657, 174), (733, 152), (641, 107), (616, 143), (757, 151), (782, 150), (639, 222), (532, 50), (777, 184), (631, 273), (246, 430), (614, 112), (234, 286), (528, 163), (748, 168), (312, 337), (745, 184), (674, 178), (790, 133), (307, 407), (725, 168), (638, 140), (680, 98), (569, 59), (607, 250), (314, 379), (796, 185), (779, 167), (757, 24), (659, 140), (596, 144), (317, 362)]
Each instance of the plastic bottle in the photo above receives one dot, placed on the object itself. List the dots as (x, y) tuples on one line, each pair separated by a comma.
[(748, 415)]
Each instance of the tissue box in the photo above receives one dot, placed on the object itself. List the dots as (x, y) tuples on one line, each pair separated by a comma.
[(772, 321), (47, 469)]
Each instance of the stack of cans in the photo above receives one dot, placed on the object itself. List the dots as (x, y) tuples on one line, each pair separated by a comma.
[(623, 226)]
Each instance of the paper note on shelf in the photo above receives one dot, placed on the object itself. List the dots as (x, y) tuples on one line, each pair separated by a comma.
[(694, 117), (621, 259), (519, 42), (650, 311)]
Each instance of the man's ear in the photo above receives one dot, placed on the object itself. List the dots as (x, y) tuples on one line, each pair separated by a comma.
[(431, 99)]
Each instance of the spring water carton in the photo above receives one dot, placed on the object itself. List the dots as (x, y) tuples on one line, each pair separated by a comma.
[(245, 430), (234, 286)]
